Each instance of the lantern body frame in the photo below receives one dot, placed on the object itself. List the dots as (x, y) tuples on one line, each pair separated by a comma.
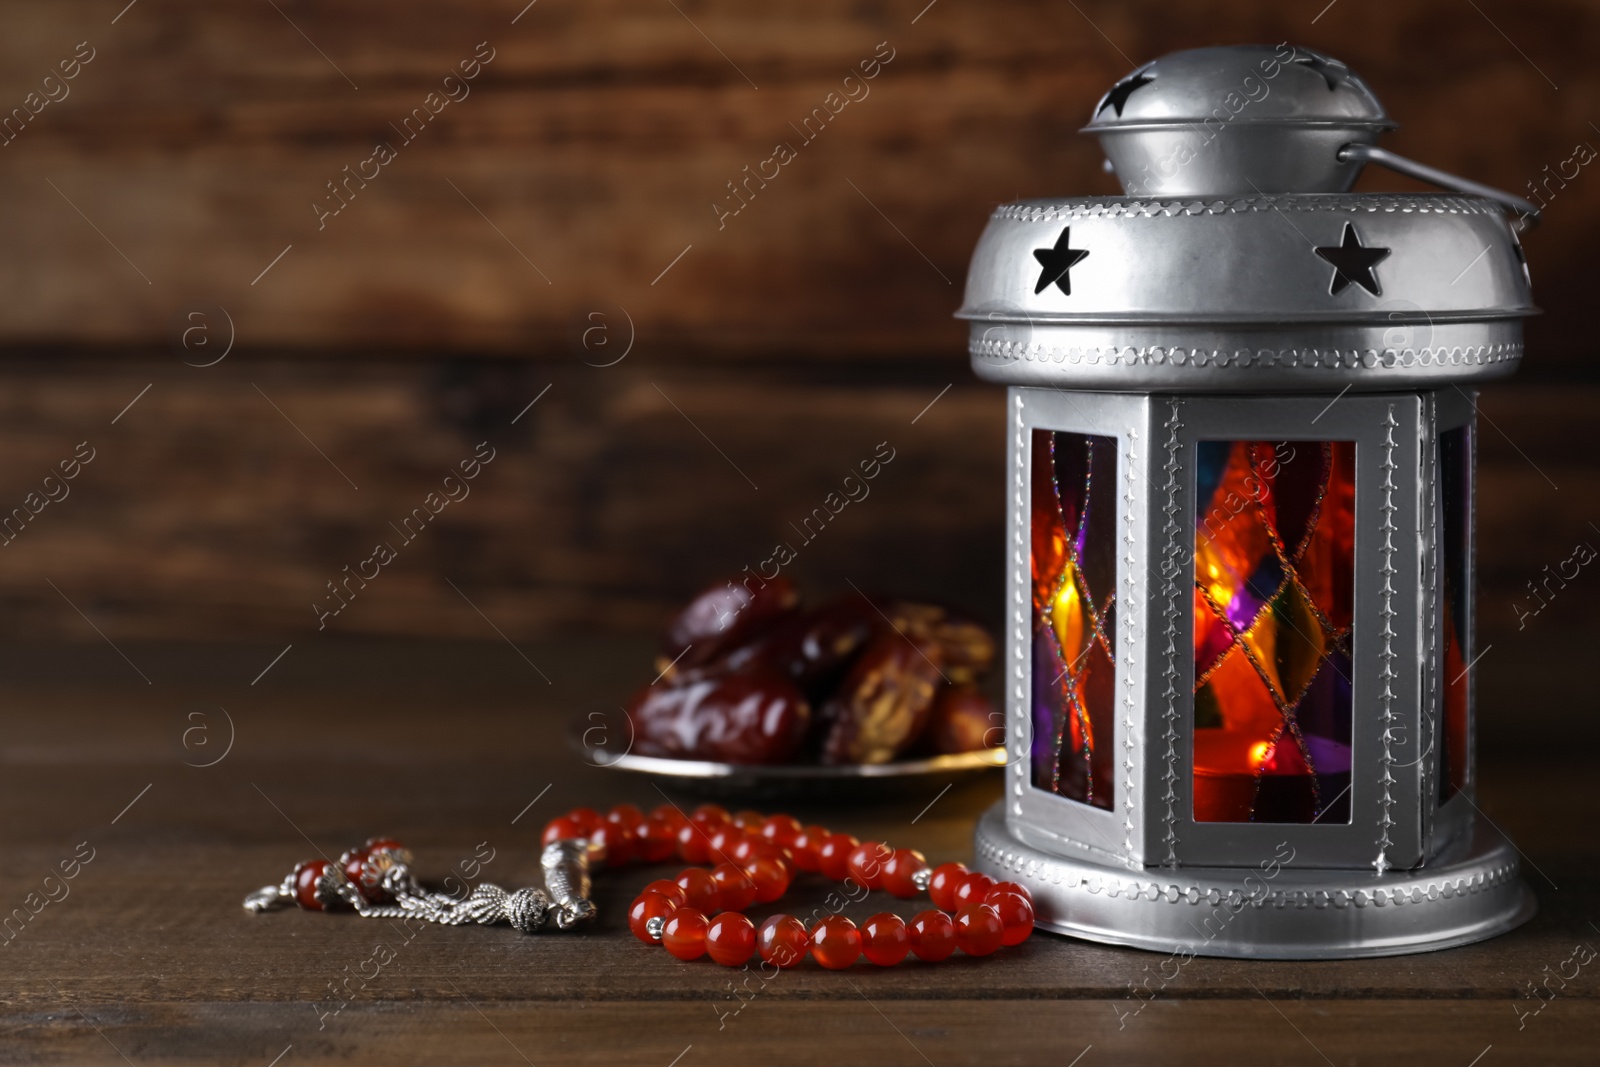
[(1407, 872), (1395, 820)]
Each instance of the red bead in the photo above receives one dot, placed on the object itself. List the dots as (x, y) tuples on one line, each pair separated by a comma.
[(709, 815), (804, 847), (735, 889), (835, 942), (933, 935), (754, 846), (731, 939), (616, 843), (972, 889), (761, 848), (364, 875), (305, 884), (746, 847), (769, 857), (899, 870), (769, 878), (658, 840), (623, 834), (588, 818), (833, 857), (781, 830), (671, 890), (884, 939), (649, 906), (749, 821), (670, 814), (866, 863), (700, 890), (1011, 887), (942, 887), (978, 929), (693, 846), (563, 828), (721, 843), (386, 844), (1016, 914), (782, 940), (685, 934), (626, 815)]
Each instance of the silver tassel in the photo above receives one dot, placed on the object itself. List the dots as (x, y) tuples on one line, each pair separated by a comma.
[(566, 873)]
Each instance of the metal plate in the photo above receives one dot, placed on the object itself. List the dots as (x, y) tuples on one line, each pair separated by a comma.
[(795, 780)]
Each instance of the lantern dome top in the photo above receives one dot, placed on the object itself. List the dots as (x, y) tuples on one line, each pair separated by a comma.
[(1281, 84), (1289, 110)]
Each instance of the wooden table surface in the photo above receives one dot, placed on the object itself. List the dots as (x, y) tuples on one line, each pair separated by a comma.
[(458, 750)]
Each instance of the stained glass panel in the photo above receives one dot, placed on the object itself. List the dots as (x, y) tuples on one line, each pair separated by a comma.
[(1273, 600), (1455, 518), (1074, 568)]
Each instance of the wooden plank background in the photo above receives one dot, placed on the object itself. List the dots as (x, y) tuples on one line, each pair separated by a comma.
[(778, 350), (207, 513)]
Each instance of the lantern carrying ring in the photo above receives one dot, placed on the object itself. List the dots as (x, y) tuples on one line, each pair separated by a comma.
[(1527, 213)]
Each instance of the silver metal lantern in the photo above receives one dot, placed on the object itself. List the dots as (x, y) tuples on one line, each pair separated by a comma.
[(1240, 537)]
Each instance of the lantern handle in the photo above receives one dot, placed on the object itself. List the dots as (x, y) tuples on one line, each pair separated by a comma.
[(1527, 213)]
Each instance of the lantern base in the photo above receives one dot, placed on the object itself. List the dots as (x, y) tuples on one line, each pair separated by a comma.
[(1471, 892)]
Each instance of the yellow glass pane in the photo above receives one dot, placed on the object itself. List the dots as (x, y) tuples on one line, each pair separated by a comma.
[(1069, 618)]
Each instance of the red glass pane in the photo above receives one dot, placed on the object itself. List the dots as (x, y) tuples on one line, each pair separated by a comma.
[(1073, 567), (1274, 589)]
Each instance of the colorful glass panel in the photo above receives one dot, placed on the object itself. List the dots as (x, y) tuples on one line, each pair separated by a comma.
[(1074, 568), (1455, 519), (1273, 599)]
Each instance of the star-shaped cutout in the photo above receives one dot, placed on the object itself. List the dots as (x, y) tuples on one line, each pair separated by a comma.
[(1057, 263), (1352, 263), (1118, 96), (1333, 72)]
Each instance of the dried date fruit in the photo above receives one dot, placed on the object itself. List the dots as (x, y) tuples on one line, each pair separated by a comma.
[(816, 646), (752, 716), (743, 666), (966, 647), (963, 720), (883, 705), (725, 616)]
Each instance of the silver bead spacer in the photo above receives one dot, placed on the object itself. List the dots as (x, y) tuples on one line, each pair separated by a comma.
[(922, 879), (332, 887), (526, 909), (654, 926)]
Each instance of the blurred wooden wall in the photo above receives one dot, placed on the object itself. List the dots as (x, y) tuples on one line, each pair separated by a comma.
[(563, 209)]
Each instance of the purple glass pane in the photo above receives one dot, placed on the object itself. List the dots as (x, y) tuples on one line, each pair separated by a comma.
[(1073, 568)]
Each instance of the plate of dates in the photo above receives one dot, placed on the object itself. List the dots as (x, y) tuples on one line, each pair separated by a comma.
[(760, 696)]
